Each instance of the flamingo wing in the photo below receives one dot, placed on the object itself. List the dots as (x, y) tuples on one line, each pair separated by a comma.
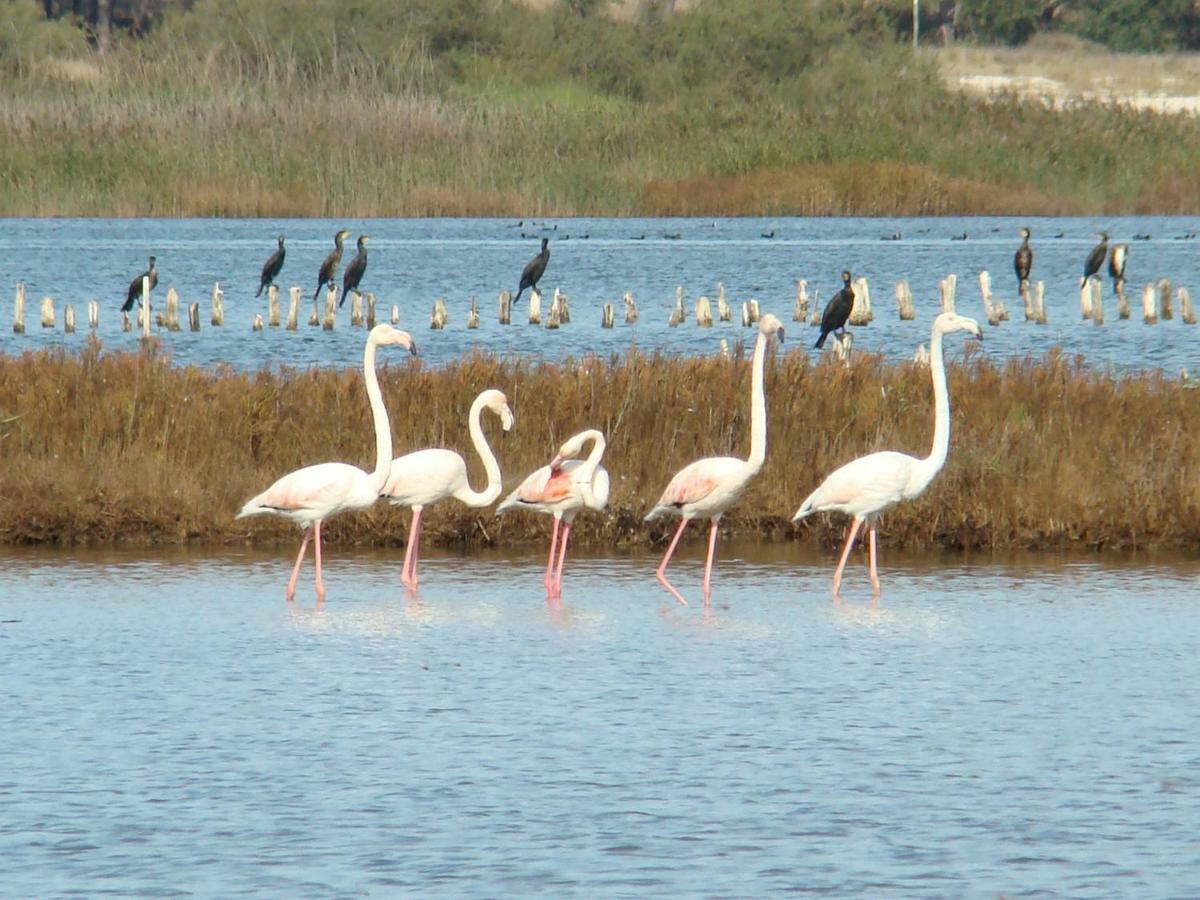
[(314, 490), (424, 477), (863, 486)]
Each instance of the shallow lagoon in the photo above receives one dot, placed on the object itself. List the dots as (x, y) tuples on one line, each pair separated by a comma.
[(1019, 725)]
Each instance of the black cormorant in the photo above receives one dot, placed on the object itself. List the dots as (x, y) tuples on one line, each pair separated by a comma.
[(271, 267), (1095, 259), (329, 267), (354, 271), (837, 311), (1023, 260), (533, 270), (135, 286)]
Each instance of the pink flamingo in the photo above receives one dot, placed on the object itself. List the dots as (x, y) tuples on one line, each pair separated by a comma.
[(867, 486), (562, 489), (310, 495), (708, 487), (427, 476)]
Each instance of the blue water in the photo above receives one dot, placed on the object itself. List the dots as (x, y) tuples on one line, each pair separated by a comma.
[(414, 261), (1016, 727)]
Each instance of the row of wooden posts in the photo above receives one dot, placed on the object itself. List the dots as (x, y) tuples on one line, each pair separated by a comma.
[(1156, 304)]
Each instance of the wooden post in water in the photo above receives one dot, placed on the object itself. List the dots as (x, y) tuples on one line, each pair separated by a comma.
[(842, 346), (172, 315), (47, 312), (1085, 299), (553, 317), (126, 325), (473, 315), (144, 311), (1164, 299), (946, 288), (218, 308), (800, 308), (535, 307), (370, 310), (1027, 302), (921, 357), (815, 319), (356, 309), (631, 310), (1039, 293), (293, 317), (440, 315), (724, 313), (257, 324), (1097, 301), (745, 313), (607, 316), (904, 301), (505, 302), (395, 314), (753, 305), (194, 316), (330, 319), (1149, 305), (985, 290), (273, 306), (1187, 315), (860, 313), (69, 319), (677, 315), (19, 309), (704, 316), (93, 314), (562, 303), (1123, 310)]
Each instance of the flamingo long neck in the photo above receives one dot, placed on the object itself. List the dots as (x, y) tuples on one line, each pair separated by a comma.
[(383, 427), (588, 469), (490, 466), (932, 464), (758, 406)]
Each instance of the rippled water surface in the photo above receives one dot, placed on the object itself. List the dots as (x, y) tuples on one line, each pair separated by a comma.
[(414, 261), (993, 727)]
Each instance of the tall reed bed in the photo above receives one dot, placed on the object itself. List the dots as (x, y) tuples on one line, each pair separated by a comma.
[(103, 447)]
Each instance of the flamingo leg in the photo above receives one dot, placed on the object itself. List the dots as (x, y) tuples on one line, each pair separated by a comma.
[(562, 557), (871, 556), (708, 563), (408, 575), (548, 581), (661, 574), (850, 533), (317, 549), (290, 592)]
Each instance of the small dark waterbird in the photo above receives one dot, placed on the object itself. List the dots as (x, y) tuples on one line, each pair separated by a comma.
[(328, 269), (534, 269), (354, 271), (837, 311), (1023, 260), (135, 286), (1095, 259), (271, 268)]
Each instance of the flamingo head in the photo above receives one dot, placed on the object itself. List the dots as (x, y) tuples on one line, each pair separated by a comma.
[(949, 322), (498, 403), (769, 324), (382, 335), (574, 446)]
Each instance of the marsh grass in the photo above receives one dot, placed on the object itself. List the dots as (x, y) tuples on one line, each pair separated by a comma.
[(104, 447)]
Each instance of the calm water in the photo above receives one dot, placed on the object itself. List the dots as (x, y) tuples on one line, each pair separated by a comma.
[(1015, 727), (413, 261)]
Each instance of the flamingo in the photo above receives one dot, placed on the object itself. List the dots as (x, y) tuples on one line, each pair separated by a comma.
[(708, 487), (867, 486), (562, 489), (310, 495), (427, 476)]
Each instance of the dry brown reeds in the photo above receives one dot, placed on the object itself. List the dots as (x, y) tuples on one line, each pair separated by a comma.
[(105, 447)]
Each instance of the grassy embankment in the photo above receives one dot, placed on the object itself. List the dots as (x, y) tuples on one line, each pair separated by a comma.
[(127, 448), (478, 109)]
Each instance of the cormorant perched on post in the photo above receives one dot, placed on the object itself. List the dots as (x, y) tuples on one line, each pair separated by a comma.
[(354, 271), (1116, 264), (1095, 259), (271, 267), (534, 270), (135, 286), (837, 311), (329, 267), (1023, 260)]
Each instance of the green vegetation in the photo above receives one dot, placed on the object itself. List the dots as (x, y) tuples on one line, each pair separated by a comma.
[(317, 108), (106, 447)]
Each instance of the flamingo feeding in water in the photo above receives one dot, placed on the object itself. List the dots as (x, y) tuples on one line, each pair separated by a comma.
[(427, 476), (310, 495), (865, 487), (708, 487), (562, 489)]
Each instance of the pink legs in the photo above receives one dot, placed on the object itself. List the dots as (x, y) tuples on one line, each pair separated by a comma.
[(548, 581), (871, 557), (708, 564), (661, 574), (313, 531), (850, 533), (408, 575), (556, 588)]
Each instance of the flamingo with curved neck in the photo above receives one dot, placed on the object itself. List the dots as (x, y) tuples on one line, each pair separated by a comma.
[(424, 477), (708, 487), (562, 489), (310, 495), (871, 484)]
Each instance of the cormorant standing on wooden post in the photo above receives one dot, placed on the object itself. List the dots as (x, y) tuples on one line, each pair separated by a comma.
[(1023, 260), (271, 267), (837, 311), (1116, 265), (135, 286), (1095, 259), (354, 271), (329, 267), (534, 269)]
